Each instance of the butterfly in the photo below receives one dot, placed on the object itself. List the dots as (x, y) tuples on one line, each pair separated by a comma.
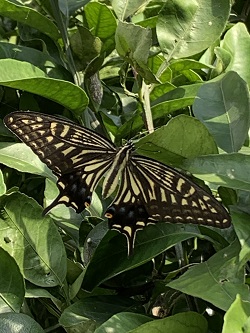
[(146, 191)]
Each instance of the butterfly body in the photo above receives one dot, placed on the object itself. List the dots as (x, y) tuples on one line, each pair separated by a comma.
[(147, 190)]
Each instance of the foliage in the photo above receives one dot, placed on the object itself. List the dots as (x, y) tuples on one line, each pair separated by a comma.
[(126, 68)]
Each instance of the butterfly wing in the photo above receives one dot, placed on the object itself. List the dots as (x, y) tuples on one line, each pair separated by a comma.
[(77, 156), (151, 191)]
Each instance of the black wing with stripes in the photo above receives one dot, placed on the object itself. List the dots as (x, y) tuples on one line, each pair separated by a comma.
[(77, 156), (151, 192)]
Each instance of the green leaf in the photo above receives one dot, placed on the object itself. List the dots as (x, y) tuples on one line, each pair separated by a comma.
[(11, 283), (224, 59), (125, 8), (231, 170), (237, 317), (94, 310), (2, 184), (102, 23), (187, 322), (39, 59), (181, 65), (20, 157), (223, 107), (221, 279), (166, 145), (33, 241), (85, 46), (30, 17), (123, 322), (150, 242), (237, 43), (35, 292), (18, 322), (173, 100), (133, 44), (23, 75), (242, 229), (160, 90), (185, 28)]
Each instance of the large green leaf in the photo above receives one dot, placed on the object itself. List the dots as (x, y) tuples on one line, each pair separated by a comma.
[(221, 279), (18, 323), (182, 137), (223, 107), (20, 157), (237, 43), (185, 28), (237, 317), (39, 59), (93, 311), (150, 242), (102, 23), (33, 240), (231, 170), (23, 75)]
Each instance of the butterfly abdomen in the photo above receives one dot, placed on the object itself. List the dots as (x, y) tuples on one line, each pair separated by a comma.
[(114, 173)]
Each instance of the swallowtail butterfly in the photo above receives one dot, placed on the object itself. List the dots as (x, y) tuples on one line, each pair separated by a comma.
[(147, 190)]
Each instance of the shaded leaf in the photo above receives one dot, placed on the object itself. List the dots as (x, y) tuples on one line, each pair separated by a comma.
[(223, 107), (133, 44), (150, 242), (93, 311), (221, 279), (123, 322), (175, 99), (29, 16), (11, 284), (231, 170)]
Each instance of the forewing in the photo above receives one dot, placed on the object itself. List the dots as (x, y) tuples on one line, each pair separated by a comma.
[(151, 191), (77, 156)]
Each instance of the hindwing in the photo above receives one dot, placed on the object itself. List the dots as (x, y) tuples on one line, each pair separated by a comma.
[(151, 192)]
